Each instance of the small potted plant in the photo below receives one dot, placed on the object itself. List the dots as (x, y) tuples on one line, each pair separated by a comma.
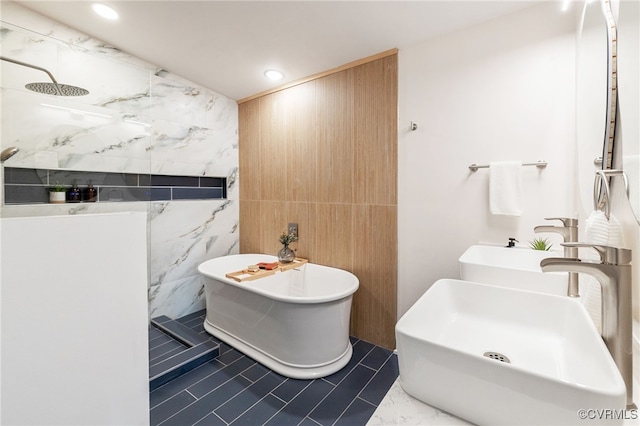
[(540, 244), (57, 193)]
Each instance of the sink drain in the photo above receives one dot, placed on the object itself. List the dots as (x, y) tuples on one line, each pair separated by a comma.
[(497, 356)]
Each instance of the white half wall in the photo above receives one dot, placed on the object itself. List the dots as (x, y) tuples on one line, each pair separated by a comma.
[(74, 320), (503, 90)]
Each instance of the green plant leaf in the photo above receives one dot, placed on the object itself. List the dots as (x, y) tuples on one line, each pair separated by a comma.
[(540, 244), (58, 187)]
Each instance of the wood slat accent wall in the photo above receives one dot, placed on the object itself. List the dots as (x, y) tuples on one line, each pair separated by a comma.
[(323, 153)]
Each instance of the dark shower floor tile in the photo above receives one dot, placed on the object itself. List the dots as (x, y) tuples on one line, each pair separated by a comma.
[(175, 349), (233, 389)]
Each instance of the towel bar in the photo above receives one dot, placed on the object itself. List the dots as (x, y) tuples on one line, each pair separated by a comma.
[(539, 164)]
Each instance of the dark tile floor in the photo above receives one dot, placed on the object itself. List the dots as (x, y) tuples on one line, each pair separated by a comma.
[(233, 389)]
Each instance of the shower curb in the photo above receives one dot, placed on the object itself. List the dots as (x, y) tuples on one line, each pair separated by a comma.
[(198, 350)]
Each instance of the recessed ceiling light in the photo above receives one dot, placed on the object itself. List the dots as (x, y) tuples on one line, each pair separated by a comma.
[(274, 75), (105, 11)]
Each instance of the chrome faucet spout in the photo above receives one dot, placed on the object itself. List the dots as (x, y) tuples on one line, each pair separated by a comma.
[(614, 276), (563, 264), (569, 232), (550, 228)]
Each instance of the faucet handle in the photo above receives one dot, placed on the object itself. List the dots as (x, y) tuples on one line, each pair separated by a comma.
[(608, 255), (566, 221)]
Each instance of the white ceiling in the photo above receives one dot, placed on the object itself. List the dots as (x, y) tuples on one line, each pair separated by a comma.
[(227, 45)]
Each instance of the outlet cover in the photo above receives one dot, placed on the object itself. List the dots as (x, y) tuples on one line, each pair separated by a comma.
[(293, 229)]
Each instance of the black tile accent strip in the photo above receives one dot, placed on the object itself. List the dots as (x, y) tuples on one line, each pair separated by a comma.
[(211, 182), (196, 193), (110, 194), (25, 194), (30, 186), (25, 176), (162, 180)]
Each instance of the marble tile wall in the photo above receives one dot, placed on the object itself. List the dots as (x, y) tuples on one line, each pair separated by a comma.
[(137, 118)]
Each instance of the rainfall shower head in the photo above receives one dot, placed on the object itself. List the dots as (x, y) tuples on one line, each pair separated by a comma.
[(8, 153), (56, 89), (53, 88)]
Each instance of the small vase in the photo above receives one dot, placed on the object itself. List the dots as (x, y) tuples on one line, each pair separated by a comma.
[(57, 197), (286, 255)]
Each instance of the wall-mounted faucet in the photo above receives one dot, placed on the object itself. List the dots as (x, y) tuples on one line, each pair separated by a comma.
[(614, 275), (569, 231)]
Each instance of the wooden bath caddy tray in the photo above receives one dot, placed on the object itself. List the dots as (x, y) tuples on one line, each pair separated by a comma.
[(247, 275)]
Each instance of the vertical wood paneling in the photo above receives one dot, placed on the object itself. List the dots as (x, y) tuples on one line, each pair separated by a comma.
[(375, 249), (273, 221), (273, 149), (335, 138), (249, 149), (334, 235), (300, 142), (376, 152), (323, 154), (250, 223)]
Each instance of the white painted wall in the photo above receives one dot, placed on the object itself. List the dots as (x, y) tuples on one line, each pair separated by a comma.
[(74, 320), (503, 90)]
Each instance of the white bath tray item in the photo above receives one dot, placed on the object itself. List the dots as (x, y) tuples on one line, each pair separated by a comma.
[(247, 275)]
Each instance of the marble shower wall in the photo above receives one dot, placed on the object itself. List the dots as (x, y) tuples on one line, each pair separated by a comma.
[(137, 118)]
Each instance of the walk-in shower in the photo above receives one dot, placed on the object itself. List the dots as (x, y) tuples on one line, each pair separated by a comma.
[(53, 88), (47, 88)]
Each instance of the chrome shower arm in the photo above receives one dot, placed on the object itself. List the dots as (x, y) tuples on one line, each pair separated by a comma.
[(24, 64)]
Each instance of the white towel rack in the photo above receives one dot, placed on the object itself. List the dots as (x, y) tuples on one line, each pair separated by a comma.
[(539, 164)]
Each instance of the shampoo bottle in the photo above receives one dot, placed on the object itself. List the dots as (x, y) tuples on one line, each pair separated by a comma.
[(90, 194), (74, 194)]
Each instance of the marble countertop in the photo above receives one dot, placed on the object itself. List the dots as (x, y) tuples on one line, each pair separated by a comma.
[(399, 408)]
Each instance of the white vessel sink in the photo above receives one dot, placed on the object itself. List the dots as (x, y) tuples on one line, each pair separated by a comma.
[(558, 362), (512, 267)]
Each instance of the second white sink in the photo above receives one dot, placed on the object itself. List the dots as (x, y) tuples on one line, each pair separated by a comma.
[(512, 267), (500, 356)]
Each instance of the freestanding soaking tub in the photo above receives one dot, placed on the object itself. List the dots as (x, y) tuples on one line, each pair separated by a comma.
[(295, 322)]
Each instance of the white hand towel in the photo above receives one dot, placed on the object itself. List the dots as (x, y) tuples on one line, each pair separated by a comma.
[(598, 230), (505, 188)]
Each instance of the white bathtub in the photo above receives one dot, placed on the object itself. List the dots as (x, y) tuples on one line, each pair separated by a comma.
[(295, 322)]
